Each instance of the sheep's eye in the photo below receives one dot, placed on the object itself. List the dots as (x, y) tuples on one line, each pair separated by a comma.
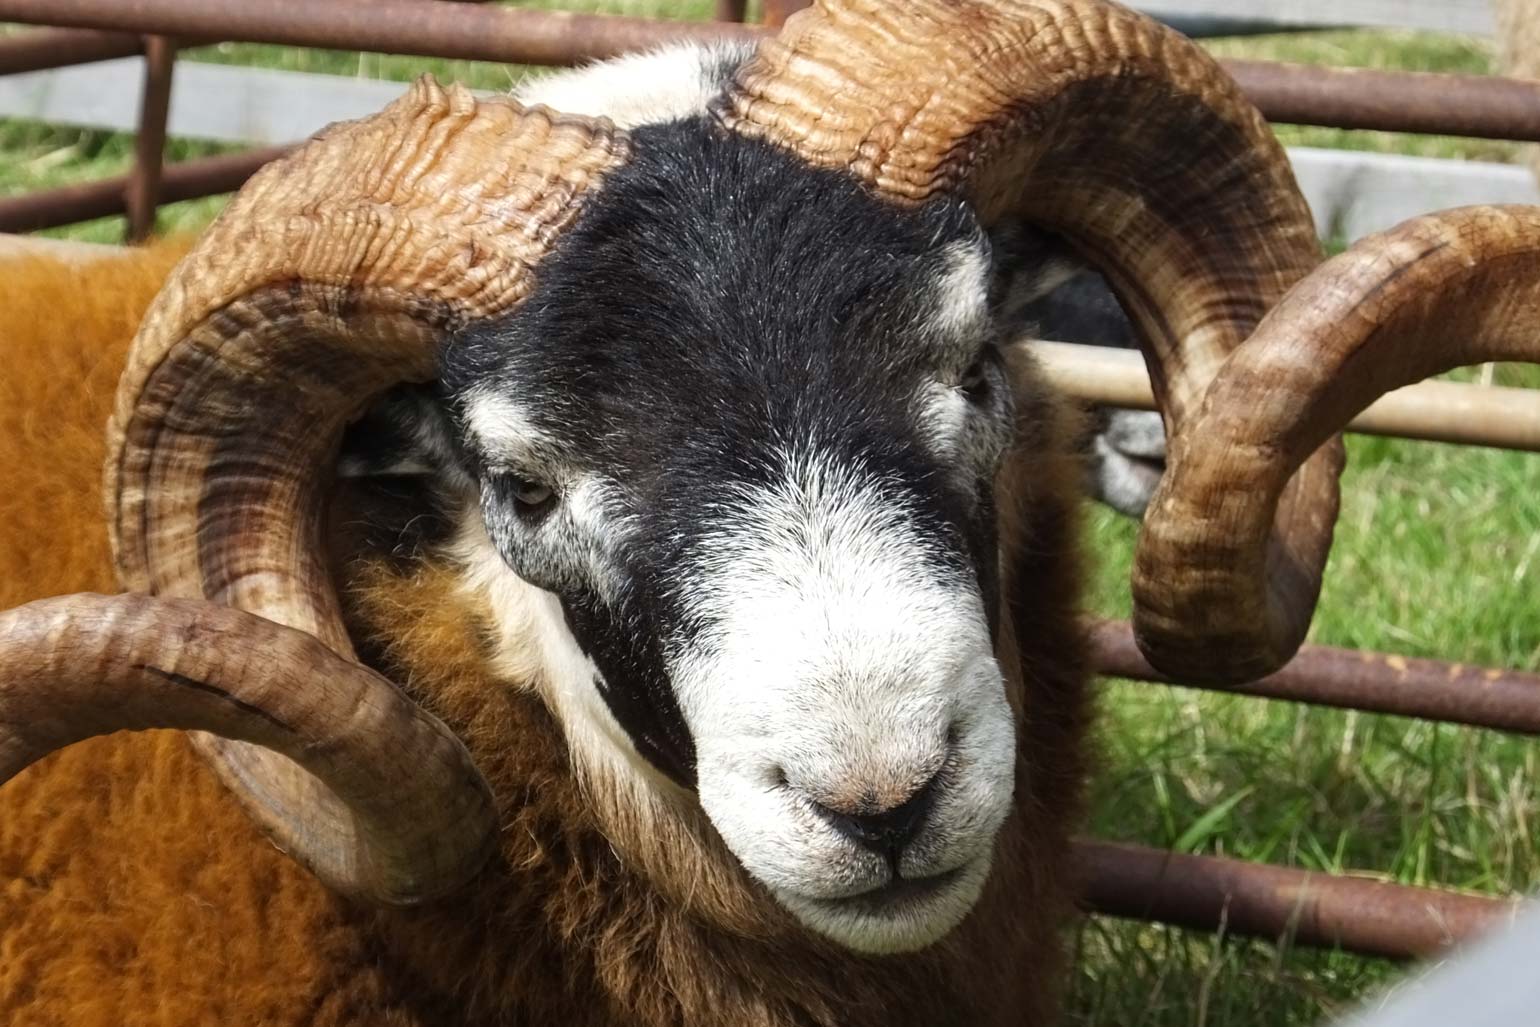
[(531, 499), (975, 382)]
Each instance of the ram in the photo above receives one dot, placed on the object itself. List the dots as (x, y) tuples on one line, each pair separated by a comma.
[(717, 661)]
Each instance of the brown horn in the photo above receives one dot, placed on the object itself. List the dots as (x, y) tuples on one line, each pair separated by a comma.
[(1437, 292), (1078, 115), (1084, 118), (86, 665), (332, 276)]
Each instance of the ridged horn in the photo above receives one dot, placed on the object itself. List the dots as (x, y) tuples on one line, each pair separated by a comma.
[(85, 665), (1089, 120), (332, 276), (1437, 292)]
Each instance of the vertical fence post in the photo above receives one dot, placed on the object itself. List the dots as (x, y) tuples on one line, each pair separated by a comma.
[(731, 10), (142, 195), (777, 11)]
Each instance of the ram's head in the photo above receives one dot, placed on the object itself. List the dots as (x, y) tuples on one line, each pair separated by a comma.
[(731, 395)]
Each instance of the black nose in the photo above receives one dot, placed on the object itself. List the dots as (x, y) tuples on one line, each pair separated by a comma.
[(884, 831)]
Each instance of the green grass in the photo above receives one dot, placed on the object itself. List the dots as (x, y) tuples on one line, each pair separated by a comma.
[(1437, 555)]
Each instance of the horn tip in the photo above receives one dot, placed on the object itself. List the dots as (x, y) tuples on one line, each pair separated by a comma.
[(427, 91)]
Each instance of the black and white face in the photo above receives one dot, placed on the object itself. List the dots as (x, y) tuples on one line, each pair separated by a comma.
[(745, 431)]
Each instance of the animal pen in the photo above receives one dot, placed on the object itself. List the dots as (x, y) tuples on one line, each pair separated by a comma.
[(1358, 914)]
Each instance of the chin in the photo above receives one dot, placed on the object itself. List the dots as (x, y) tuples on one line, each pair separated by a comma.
[(897, 917)]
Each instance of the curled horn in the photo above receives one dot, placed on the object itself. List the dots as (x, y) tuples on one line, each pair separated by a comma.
[(331, 277), (1440, 291), (1095, 122), (83, 665)]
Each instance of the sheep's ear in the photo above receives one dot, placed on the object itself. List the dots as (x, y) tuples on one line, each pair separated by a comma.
[(407, 433), (1041, 289), (1026, 265)]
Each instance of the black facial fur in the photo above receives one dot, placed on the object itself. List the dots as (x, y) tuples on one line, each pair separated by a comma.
[(717, 304)]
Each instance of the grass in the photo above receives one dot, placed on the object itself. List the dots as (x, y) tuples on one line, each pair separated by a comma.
[(1438, 554)]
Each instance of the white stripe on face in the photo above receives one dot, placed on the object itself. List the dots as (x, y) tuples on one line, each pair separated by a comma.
[(535, 645)]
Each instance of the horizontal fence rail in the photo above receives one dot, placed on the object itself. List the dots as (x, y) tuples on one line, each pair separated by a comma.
[(1433, 411), (1482, 106), (1351, 192), (1366, 915), (185, 180), (1354, 679), (1468, 16), (1402, 101), (62, 48), (423, 28)]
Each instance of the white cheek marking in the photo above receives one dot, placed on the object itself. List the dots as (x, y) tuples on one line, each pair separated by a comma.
[(962, 289), (589, 528), (534, 644), (944, 415), (600, 529), (961, 309), (967, 441)]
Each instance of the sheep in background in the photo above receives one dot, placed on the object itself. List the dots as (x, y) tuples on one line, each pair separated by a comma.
[(1046, 292), (740, 676)]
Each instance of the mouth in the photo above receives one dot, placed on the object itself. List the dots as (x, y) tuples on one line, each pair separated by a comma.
[(903, 915), (897, 895)]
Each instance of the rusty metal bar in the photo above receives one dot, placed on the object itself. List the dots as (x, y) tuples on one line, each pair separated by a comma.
[(60, 48), (1358, 914), (1402, 101), (1481, 106), (1507, 700), (183, 181), (777, 11), (1434, 411), (427, 28), (731, 10), (142, 195)]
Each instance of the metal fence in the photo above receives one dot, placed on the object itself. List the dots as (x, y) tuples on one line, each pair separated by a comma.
[(1357, 913)]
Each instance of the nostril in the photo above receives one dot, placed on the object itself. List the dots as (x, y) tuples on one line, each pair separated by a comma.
[(884, 831)]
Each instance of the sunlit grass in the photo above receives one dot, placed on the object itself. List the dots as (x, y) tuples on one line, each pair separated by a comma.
[(1436, 556)]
